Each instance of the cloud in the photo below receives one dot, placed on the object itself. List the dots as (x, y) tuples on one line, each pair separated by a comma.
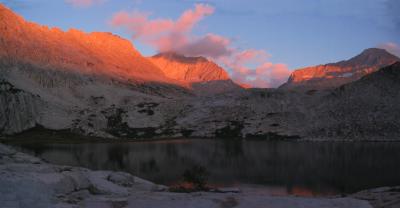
[(391, 47), (163, 34), (251, 67), (248, 66), (210, 45), (83, 3)]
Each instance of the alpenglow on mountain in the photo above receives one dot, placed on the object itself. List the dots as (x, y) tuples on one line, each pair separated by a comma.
[(97, 84), (203, 75), (97, 53), (189, 69), (336, 74)]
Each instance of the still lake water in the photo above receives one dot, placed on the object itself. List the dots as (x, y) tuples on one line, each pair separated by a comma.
[(303, 168)]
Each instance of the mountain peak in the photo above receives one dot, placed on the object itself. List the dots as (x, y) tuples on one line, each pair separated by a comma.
[(74, 50), (189, 69), (336, 74), (373, 51), (370, 57)]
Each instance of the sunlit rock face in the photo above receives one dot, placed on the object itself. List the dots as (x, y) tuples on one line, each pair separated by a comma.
[(97, 84), (189, 69), (96, 53), (336, 74), (203, 75), (93, 53)]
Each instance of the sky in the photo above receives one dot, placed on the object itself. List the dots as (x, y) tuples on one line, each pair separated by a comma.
[(258, 41)]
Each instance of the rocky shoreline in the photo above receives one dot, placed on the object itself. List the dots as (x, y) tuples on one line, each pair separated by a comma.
[(27, 181)]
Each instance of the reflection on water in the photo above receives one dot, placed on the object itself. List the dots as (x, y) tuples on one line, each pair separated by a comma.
[(304, 168)]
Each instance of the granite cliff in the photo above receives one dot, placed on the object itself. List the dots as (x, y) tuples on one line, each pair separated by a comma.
[(97, 84), (333, 75)]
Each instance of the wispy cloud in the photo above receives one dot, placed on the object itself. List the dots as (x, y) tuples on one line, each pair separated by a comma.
[(163, 34), (391, 47), (248, 66), (253, 68), (83, 3)]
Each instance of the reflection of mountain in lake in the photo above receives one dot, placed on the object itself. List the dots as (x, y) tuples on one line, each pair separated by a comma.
[(299, 167)]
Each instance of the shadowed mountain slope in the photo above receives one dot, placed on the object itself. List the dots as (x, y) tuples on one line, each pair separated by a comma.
[(97, 84), (367, 108)]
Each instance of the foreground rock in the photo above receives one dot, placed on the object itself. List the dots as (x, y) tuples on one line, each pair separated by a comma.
[(385, 197), (26, 181)]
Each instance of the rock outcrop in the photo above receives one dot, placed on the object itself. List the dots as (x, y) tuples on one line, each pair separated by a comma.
[(29, 182), (23, 42), (367, 108), (18, 109), (383, 197), (203, 75), (47, 82), (189, 69), (336, 74)]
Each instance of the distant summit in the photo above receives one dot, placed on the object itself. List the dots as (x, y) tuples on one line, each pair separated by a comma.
[(203, 75), (372, 57), (98, 84), (336, 74), (189, 69), (96, 53)]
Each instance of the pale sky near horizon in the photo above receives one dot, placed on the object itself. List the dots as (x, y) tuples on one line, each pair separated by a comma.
[(296, 33)]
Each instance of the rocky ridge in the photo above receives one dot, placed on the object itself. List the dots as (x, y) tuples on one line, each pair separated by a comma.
[(204, 76), (72, 187), (97, 53), (333, 75), (40, 90), (189, 69)]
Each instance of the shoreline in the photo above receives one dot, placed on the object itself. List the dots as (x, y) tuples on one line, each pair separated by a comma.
[(88, 139), (41, 134), (65, 186)]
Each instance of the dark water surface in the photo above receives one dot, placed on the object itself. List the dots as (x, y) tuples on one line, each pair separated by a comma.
[(304, 168)]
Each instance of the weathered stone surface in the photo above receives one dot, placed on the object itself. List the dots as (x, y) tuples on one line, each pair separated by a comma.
[(67, 96), (190, 69), (74, 50), (385, 197), (204, 76), (18, 109), (333, 75), (24, 184)]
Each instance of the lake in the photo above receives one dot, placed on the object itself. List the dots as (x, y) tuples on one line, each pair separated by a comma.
[(301, 168)]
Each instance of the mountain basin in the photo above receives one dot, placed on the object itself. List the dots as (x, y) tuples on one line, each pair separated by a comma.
[(277, 167)]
